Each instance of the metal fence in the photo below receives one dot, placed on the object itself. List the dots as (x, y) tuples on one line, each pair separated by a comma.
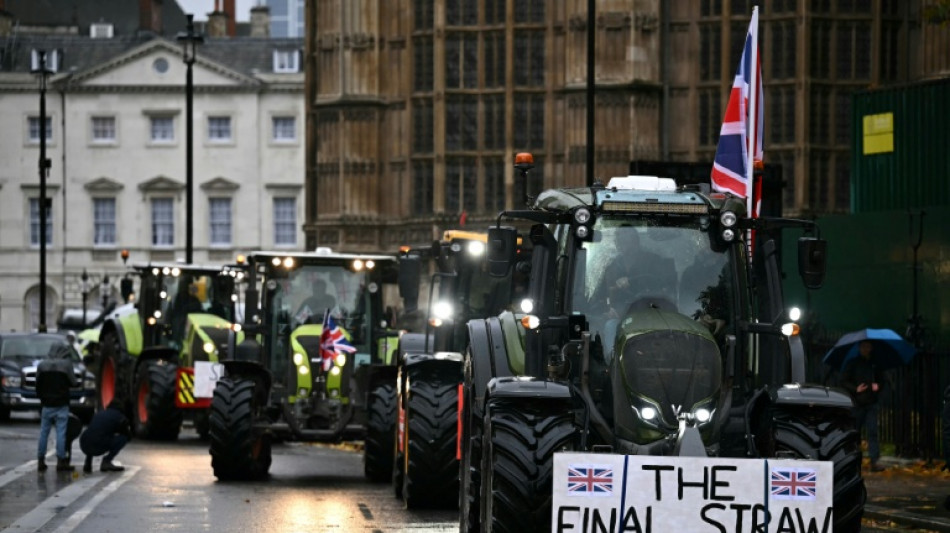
[(911, 401)]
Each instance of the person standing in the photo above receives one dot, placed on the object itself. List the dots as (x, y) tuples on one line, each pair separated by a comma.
[(108, 432), (863, 380), (54, 377)]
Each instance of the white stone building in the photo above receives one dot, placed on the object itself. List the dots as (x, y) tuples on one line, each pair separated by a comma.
[(116, 142)]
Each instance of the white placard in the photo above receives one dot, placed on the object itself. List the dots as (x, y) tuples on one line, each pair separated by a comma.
[(206, 378), (639, 493)]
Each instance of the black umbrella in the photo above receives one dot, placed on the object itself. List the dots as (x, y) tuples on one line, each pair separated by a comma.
[(889, 350)]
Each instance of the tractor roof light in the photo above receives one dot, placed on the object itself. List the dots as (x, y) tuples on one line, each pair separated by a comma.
[(476, 248), (288, 262), (176, 272), (530, 322), (155, 271), (166, 271), (794, 314), (157, 313), (527, 305), (370, 264), (275, 261), (357, 264), (524, 161)]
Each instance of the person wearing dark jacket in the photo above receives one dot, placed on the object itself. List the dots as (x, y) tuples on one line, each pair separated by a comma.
[(108, 432), (863, 380), (54, 377)]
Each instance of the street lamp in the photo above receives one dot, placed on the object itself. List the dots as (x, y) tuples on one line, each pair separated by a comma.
[(85, 295), (189, 42), (43, 66)]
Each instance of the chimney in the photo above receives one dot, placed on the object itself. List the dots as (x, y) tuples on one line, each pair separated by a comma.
[(217, 22), (150, 16), (260, 21), (232, 21)]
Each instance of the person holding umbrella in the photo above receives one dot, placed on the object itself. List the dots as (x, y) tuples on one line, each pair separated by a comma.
[(862, 378)]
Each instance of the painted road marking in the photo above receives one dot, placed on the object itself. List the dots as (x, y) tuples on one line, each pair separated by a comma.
[(25, 468), (76, 518)]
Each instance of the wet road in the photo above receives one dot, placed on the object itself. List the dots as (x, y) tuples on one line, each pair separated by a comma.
[(170, 487)]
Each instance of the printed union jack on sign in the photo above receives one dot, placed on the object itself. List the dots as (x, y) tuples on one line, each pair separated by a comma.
[(590, 480), (794, 483)]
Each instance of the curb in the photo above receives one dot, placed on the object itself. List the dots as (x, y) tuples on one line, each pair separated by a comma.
[(910, 519)]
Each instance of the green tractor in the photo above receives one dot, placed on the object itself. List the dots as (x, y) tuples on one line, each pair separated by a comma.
[(317, 343), (182, 316), (424, 457), (650, 329)]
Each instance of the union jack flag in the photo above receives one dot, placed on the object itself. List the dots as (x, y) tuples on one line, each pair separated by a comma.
[(591, 480), (794, 484), (730, 172), (332, 341)]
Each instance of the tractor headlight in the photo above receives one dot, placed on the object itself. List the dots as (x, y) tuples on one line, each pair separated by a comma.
[(442, 310), (790, 329), (527, 305), (582, 215), (288, 262), (702, 415), (648, 413), (728, 219), (582, 232), (335, 371), (208, 347), (794, 314), (530, 321), (340, 359), (303, 370), (476, 248), (728, 235), (298, 358), (357, 265)]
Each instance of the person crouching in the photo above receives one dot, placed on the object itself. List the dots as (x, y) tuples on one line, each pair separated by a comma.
[(108, 432)]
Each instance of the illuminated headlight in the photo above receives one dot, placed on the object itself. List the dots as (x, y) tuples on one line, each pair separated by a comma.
[(176, 272), (298, 358), (208, 347), (236, 327), (234, 298), (303, 370), (275, 261), (436, 322), (88, 383), (157, 314), (288, 262), (530, 321), (357, 264), (582, 232), (163, 295), (727, 219), (151, 321), (648, 413), (370, 264), (794, 314), (442, 310), (166, 271), (340, 359), (476, 248), (455, 247), (15, 381), (702, 415), (335, 371), (582, 215), (527, 305), (728, 235), (790, 329), (155, 271)]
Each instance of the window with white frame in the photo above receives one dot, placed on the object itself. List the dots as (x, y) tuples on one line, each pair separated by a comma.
[(220, 210), (285, 221), (284, 129), (103, 130), (286, 61), (103, 221), (162, 128), (163, 222), (219, 129), (34, 129), (35, 223)]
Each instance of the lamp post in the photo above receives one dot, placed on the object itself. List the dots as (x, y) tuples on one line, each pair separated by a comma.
[(85, 295), (40, 66), (189, 42)]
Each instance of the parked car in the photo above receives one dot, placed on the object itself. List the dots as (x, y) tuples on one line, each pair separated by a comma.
[(20, 354)]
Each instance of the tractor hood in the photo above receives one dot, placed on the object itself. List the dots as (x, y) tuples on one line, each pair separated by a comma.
[(667, 364)]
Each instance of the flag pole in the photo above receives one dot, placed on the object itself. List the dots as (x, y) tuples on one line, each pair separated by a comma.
[(752, 116)]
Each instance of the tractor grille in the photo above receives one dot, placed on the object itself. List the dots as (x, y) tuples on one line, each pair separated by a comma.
[(311, 345), (673, 368), (218, 336)]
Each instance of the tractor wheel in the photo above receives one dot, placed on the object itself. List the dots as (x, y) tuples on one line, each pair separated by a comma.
[(155, 415), (470, 467), (430, 470), (519, 444), (817, 436), (110, 381), (380, 427), (238, 451)]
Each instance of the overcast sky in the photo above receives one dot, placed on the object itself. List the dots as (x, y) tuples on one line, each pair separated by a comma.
[(201, 8)]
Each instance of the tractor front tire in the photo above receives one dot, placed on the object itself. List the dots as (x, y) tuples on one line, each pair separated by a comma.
[(430, 476), (380, 430), (110, 378), (826, 435), (520, 440), (470, 467), (155, 415), (238, 451)]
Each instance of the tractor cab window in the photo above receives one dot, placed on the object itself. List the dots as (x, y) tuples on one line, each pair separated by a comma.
[(634, 265), (193, 293)]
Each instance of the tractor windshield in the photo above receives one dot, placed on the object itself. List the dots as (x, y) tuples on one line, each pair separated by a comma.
[(193, 292), (636, 264)]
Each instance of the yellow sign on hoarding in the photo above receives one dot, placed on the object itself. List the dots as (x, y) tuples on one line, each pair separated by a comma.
[(878, 133)]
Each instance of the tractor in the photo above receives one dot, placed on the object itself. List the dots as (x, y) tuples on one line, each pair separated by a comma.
[(315, 346), (424, 464), (148, 348), (651, 327)]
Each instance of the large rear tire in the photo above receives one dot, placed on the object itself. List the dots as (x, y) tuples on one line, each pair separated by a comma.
[(238, 451), (380, 430), (470, 467), (826, 435), (154, 415), (519, 444), (430, 469)]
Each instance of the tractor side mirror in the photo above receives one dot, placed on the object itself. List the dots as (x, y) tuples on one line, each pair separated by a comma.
[(125, 287), (812, 256), (502, 250), (410, 270)]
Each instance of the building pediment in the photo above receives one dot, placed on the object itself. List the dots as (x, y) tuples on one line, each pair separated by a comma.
[(103, 185), (220, 184), (286, 188), (161, 184)]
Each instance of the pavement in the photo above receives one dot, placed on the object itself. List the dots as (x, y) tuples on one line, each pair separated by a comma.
[(909, 494)]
